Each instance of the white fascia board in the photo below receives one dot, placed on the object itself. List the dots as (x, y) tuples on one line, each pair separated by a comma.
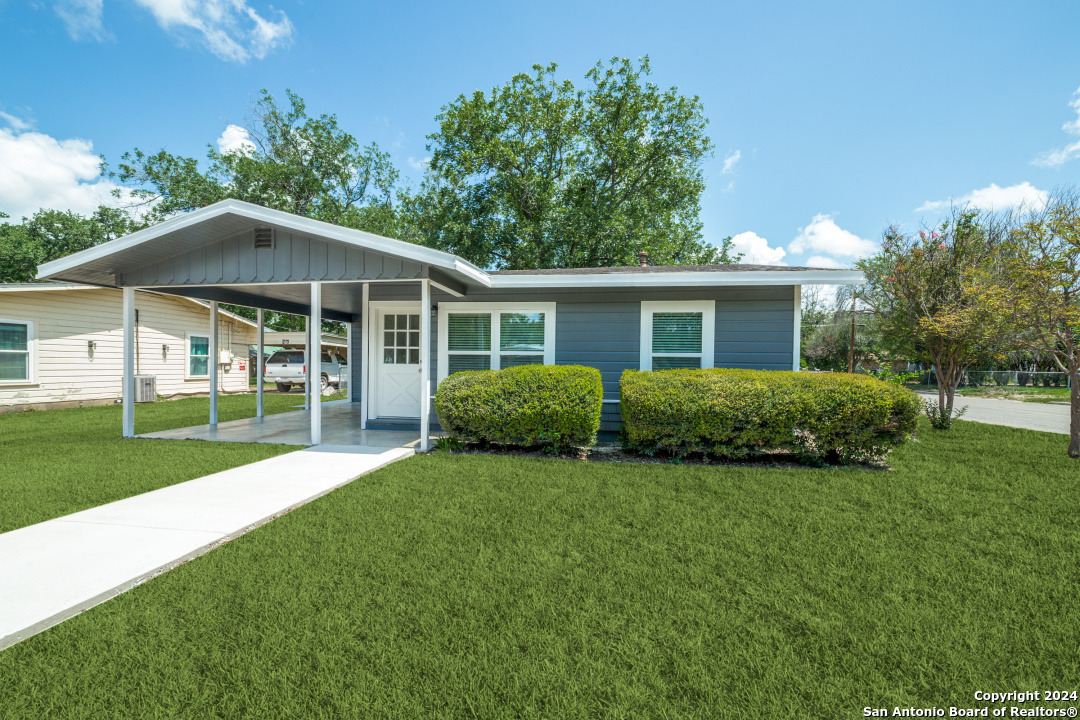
[(38, 287), (302, 225), (681, 279)]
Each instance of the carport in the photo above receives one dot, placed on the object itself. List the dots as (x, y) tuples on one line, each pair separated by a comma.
[(243, 254)]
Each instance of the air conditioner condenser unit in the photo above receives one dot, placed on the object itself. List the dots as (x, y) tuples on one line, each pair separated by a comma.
[(145, 388)]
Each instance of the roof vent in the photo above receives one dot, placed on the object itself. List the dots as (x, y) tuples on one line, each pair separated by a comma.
[(264, 237)]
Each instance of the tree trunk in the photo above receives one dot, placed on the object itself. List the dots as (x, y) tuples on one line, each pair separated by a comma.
[(1074, 412)]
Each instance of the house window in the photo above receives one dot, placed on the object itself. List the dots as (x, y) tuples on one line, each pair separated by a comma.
[(198, 356), (677, 334), (16, 345), (484, 336)]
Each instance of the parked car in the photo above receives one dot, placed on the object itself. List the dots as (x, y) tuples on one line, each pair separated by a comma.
[(288, 368)]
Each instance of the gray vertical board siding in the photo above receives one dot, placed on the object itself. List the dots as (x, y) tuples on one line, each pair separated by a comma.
[(293, 258)]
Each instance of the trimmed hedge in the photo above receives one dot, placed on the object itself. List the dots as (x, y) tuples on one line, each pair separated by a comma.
[(527, 405), (835, 417)]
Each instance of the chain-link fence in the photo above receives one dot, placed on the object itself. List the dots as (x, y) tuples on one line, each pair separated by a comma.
[(1005, 379)]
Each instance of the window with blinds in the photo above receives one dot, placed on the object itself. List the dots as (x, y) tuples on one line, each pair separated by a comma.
[(676, 340), (677, 334), (15, 351), (484, 337), (468, 338)]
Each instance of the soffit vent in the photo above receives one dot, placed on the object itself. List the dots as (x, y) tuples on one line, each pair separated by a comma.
[(264, 237)]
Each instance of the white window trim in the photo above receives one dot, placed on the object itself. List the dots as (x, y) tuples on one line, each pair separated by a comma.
[(495, 309), (31, 351), (187, 356), (707, 308)]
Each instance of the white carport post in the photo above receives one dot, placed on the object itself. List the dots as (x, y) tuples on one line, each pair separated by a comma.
[(260, 318), (348, 346), (315, 362), (366, 329), (212, 362), (308, 356), (425, 361), (127, 382)]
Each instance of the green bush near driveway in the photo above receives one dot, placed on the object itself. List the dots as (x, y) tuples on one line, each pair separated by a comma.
[(834, 417), (528, 405)]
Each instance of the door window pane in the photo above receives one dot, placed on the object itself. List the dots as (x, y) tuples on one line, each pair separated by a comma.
[(468, 331), (388, 356), (388, 322), (676, 332), (414, 357)]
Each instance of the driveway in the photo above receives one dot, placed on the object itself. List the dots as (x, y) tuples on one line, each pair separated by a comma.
[(1013, 413)]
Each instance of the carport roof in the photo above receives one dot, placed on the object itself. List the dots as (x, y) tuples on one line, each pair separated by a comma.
[(100, 265)]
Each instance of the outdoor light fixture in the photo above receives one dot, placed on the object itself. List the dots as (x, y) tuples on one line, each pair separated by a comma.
[(90, 345), (164, 351)]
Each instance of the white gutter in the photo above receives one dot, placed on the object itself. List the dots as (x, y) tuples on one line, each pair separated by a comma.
[(690, 278)]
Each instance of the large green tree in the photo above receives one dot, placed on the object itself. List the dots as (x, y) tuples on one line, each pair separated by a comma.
[(537, 173)]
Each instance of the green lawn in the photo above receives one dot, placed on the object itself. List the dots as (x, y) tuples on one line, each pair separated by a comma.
[(500, 587), (56, 462)]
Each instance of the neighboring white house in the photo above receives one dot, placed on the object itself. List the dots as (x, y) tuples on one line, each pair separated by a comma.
[(62, 345)]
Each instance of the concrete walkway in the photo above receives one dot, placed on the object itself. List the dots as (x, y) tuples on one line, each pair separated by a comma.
[(56, 569), (1013, 413)]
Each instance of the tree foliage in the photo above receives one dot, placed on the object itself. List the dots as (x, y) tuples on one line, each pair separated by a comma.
[(538, 173), (51, 234), (940, 295), (301, 164), (1044, 273)]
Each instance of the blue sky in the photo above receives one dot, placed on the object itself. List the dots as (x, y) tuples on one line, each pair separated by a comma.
[(831, 121)]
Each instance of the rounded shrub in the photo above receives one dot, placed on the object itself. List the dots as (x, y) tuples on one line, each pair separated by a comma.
[(528, 405), (835, 417)]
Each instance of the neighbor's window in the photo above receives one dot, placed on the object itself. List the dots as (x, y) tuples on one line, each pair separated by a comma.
[(677, 335), (198, 356), (15, 339), (475, 336)]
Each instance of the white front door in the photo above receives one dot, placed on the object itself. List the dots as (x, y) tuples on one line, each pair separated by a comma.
[(397, 361)]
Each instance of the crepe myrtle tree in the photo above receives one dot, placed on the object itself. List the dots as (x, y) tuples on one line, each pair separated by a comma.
[(1044, 270), (940, 298)]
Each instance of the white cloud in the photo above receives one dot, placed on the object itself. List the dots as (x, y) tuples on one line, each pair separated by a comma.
[(418, 164), (230, 29), (820, 261), (1060, 156), (993, 197), (40, 171), (824, 237), (83, 19), (730, 161), (235, 139), (16, 123), (756, 250)]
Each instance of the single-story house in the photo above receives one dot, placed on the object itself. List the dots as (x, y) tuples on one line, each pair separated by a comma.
[(61, 345), (415, 314)]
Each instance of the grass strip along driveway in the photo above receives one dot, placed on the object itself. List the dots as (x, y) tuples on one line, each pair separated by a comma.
[(499, 587), (56, 462)]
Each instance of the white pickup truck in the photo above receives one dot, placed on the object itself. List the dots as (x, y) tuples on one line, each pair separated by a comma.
[(287, 368)]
